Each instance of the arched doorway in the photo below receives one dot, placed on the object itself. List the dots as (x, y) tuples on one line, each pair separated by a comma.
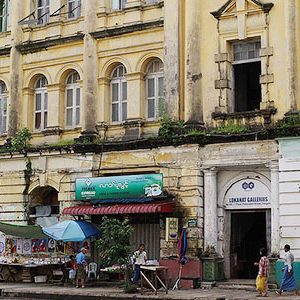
[(43, 206)]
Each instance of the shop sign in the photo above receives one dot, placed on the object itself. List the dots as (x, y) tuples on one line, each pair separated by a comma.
[(247, 194), (192, 223), (171, 229), (118, 187)]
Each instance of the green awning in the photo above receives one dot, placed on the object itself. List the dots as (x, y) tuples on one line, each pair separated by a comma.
[(22, 231)]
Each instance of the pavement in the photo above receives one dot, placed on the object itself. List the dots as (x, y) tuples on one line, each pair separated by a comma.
[(59, 292)]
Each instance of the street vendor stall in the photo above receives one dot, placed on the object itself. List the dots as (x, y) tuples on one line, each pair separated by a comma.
[(29, 255)]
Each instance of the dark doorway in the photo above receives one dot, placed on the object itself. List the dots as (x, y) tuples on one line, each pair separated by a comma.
[(248, 235), (247, 89)]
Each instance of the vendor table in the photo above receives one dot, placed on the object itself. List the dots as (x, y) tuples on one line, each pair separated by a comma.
[(154, 270), (14, 272)]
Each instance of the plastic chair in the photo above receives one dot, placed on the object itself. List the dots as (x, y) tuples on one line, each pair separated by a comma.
[(92, 270)]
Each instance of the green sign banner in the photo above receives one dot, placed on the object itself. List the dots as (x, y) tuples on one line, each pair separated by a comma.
[(117, 187)]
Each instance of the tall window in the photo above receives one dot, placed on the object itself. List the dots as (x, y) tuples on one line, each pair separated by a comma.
[(42, 11), (74, 9), (4, 15), (155, 89), (3, 108), (117, 4), (246, 73), (40, 103), (118, 87), (73, 100)]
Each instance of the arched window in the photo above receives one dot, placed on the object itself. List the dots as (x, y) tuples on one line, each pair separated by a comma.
[(118, 87), (73, 100), (3, 107), (40, 103), (155, 89)]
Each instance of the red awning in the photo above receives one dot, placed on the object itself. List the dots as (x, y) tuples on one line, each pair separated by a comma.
[(145, 208)]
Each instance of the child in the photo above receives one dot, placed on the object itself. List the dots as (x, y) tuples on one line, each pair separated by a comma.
[(263, 271)]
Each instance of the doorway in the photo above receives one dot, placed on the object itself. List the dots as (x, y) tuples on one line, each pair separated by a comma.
[(248, 235)]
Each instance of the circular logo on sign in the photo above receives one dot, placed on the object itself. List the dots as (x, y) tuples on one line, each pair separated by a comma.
[(247, 186), (26, 246)]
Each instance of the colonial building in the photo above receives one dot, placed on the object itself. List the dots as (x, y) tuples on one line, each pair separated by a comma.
[(106, 72)]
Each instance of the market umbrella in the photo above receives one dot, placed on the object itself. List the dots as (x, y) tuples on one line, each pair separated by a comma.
[(71, 231), (182, 260)]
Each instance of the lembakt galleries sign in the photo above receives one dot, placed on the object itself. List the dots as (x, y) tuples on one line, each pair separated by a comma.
[(247, 194)]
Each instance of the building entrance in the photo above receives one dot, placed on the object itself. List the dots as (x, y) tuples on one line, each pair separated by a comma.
[(248, 235)]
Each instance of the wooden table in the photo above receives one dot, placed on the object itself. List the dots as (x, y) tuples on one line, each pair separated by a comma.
[(154, 270), (14, 272)]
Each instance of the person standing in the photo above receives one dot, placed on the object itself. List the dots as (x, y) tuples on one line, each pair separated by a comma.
[(81, 264), (288, 282), (263, 272), (139, 259)]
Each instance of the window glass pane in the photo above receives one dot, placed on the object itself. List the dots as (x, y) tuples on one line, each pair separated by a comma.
[(45, 119), (38, 105), (115, 92), (124, 90), (69, 98), (160, 106), (77, 116), (115, 113), (160, 86), (4, 124), (124, 111), (77, 96), (45, 101), (37, 120), (151, 108), (69, 117), (150, 89)]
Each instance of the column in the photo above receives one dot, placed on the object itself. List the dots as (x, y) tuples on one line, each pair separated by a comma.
[(90, 98), (193, 114), (15, 92), (275, 238), (210, 208), (171, 63)]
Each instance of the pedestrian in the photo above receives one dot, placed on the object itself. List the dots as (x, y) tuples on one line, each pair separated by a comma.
[(263, 272), (139, 259), (288, 282), (81, 265), (71, 268)]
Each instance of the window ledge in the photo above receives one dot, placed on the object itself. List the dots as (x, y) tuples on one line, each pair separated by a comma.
[(265, 113)]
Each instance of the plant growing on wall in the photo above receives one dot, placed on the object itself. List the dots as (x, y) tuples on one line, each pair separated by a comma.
[(114, 247), (20, 142)]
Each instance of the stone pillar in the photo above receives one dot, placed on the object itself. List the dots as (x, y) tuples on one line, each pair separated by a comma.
[(210, 208), (88, 105), (135, 108), (291, 52), (275, 239), (15, 92), (171, 63), (193, 113), (28, 107)]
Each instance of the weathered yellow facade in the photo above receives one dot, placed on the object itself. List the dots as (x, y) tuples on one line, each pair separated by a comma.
[(201, 49)]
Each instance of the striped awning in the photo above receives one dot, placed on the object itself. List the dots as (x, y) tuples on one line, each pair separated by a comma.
[(133, 208)]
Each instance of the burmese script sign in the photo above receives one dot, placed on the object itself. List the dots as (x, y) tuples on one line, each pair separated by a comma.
[(247, 194), (116, 187)]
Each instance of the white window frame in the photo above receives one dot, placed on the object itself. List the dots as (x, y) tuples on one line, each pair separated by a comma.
[(156, 76), (120, 81), (3, 108), (42, 91), (118, 4), (73, 85), (4, 15), (42, 12), (246, 60), (73, 9)]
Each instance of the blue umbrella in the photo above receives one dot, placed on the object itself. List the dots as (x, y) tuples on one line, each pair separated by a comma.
[(71, 231)]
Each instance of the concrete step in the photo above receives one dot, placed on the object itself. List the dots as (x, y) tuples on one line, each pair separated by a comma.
[(248, 285)]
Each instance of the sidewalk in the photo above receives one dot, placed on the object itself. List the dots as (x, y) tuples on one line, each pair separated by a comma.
[(55, 292)]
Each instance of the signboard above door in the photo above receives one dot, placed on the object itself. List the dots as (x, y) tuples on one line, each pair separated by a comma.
[(116, 187), (248, 193)]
